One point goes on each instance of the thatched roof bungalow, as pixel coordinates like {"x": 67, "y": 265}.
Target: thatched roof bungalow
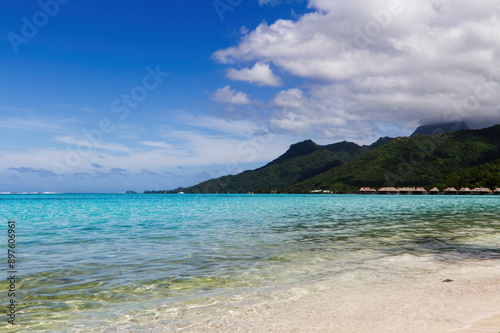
{"x": 465, "y": 190}
{"x": 434, "y": 191}
{"x": 367, "y": 190}
{"x": 406, "y": 190}
{"x": 450, "y": 190}
{"x": 420, "y": 191}
{"x": 388, "y": 190}
{"x": 497, "y": 191}
{"x": 481, "y": 191}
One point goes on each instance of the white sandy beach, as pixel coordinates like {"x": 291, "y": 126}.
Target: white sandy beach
{"x": 419, "y": 302}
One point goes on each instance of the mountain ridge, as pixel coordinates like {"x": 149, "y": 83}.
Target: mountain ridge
{"x": 421, "y": 160}
{"x": 300, "y": 162}
{"x": 343, "y": 167}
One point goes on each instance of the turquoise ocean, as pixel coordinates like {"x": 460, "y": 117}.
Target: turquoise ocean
{"x": 90, "y": 262}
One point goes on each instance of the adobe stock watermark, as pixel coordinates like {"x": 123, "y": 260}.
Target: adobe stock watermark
{"x": 381, "y": 19}
{"x": 223, "y": 6}
{"x": 121, "y": 107}
{"x": 30, "y": 27}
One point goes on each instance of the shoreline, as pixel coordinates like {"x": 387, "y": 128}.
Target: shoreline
{"x": 417, "y": 301}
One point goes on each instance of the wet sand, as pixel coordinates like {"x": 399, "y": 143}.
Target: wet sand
{"x": 470, "y": 303}
{"x": 412, "y": 302}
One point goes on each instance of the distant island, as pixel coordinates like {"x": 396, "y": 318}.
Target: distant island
{"x": 453, "y": 158}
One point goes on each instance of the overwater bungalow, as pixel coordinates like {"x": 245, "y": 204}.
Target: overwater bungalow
{"x": 367, "y": 190}
{"x": 481, "y": 191}
{"x": 497, "y": 191}
{"x": 406, "y": 190}
{"x": 434, "y": 191}
{"x": 388, "y": 190}
{"x": 450, "y": 190}
{"x": 465, "y": 191}
{"x": 420, "y": 191}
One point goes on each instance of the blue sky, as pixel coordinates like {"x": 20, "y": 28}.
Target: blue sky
{"x": 114, "y": 96}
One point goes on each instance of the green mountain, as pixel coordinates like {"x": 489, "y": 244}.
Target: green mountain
{"x": 455, "y": 158}
{"x": 300, "y": 162}
{"x": 422, "y": 160}
{"x": 486, "y": 175}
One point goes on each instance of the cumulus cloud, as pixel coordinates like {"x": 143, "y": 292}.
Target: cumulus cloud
{"x": 227, "y": 95}
{"x": 260, "y": 74}
{"x": 292, "y": 98}
{"x": 365, "y": 66}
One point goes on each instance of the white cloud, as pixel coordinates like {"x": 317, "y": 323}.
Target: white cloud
{"x": 363, "y": 66}
{"x": 32, "y": 124}
{"x": 292, "y": 98}
{"x": 116, "y": 147}
{"x": 229, "y": 96}
{"x": 237, "y": 128}
{"x": 244, "y": 30}
{"x": 156, "y": 144}
{"x": 260, "y": 74}
{"x": 228, "y": 146}
{"x": 228, "y": 152}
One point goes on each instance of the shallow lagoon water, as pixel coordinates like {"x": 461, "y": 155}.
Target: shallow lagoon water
{"x": 87, "y": 261}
